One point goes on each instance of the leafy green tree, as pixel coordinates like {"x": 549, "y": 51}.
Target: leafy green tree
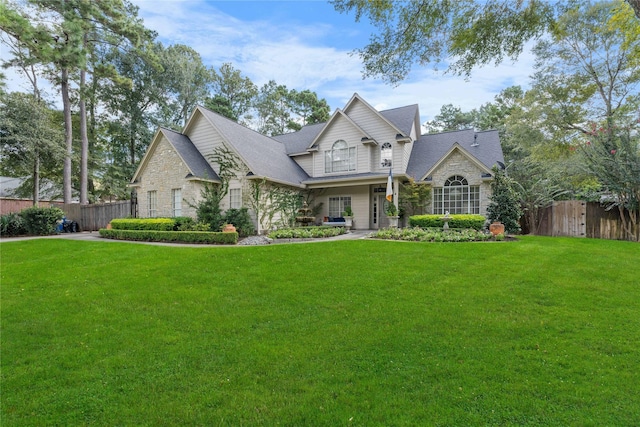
{"x": 238, "y": 91}
{"x": 505, "y": 203}
{"x": 612, "y": 155}
{"x": 414, "y": 197}
{"x": 586, "y": 72}
{"x": 450, "y": 118}
{"x": 222, "y": 106}
{"x": 188, "y": 82}
{"x": 273, "y": 107}
{"x": 308, "y": 108}
{"x": 31, "y": 142}
{"x": 467, "y": 33}
{"x": 62, "y": 35}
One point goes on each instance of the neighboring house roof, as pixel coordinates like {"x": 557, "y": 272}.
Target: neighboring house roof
{"x": 9, "y": 184}
{"x": 264, "y": 156}
{"x": 9, "y": 187}
{"x": 190, "y": 155}
{"x": 429, "y": 149}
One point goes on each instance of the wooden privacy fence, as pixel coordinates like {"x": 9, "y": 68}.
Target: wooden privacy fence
{"x": 575, "y": 218}
{"x": 95, "y": 217}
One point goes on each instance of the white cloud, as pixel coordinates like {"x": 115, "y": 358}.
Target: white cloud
{"x": 314, "y": 53}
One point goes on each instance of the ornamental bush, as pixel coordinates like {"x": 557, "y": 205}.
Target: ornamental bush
{"x": 41, "y": 221}
{"x": 475, "y": 222}
{"x": 12, "y": 224}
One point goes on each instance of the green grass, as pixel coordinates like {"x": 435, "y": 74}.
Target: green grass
{"x": 542, "y": 331}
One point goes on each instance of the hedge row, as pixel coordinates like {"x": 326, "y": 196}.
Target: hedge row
{"x": 157, "y": 224}
{"x": 475, "y": 222}
{"x": 171, "y": 236}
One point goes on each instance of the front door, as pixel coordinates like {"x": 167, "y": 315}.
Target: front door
{"x": 378, "y": 218}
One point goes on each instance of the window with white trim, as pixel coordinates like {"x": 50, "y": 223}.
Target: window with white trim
{"x": 386, "y": 154}
{"x": 337, "y": 205}
{"x": 235, "y": 198}
{"x": 152, "y": 204}
{"x": 341, "y": 158}
{"x": 456, "y": 197}
{"x": 176, "y": 201}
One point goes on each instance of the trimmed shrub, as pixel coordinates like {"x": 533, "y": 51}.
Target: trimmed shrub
{"x": 41, "y": 221}
{"x": 183, "y": 223}
{"x": 12, "y": 224}
{"x": 206, "y": 237}
{"x": 475, "y": 222}
{"x": 306, "y": 232}
{"x": 241, "y": 221}
{"x": 157, "y": 224}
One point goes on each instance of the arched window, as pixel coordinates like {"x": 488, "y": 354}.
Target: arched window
{"x": 341, "y": 157}
{"x": 456, "y": 197}
{"x": 386, "y": 152}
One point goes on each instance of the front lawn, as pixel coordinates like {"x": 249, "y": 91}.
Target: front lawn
{"x": 541, "y": 331}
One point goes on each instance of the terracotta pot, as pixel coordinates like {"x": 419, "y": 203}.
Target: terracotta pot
{"x": 109, "y": 226}
{"x": 496, "y": 228}
{"x": 229, "y": 228}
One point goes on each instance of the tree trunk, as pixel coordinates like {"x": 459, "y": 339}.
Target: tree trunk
{"x": 68, "y": 134}
{"x": 84, "y": 139}
{"x": 36, "y": 178}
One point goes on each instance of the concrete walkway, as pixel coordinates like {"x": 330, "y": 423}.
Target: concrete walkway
{"x": 95, "y": 237}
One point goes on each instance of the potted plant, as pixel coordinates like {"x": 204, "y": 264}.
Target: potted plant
{"x": 348, "y": 217}
{"x": 392, "y": 213}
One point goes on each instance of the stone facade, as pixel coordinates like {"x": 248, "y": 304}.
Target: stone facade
{"x": 459, "y": 164}
{"x": 164, "y": 172}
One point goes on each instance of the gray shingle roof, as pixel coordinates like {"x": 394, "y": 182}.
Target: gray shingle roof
{"x": 402, "y": 118}
{"x": 298, "y": 142}
{"x": 430, "y": 148}
{"x": 263, "y": 156}
{"x": 193, "y": 159}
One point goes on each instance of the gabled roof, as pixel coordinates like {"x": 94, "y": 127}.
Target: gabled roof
{"x": 339, "y": 114}
{"x": 300, "y": 141}
{"x": 264, "y": 156}
{"x": 356, "y": 98}
{"x": 429, "y": 149}
{"x": 402, "y": 118}
{"x": 188, "y": 153}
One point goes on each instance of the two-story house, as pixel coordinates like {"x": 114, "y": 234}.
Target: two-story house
{"x": 343, "y": 162}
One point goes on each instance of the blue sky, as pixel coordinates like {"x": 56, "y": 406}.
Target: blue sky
{"x": 306, "y": 44}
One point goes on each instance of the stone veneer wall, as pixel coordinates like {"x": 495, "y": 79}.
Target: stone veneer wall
{"x": 459, "y": 164}
{"x": 164, "y": 172}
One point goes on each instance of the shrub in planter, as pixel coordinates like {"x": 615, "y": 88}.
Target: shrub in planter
{"x": 12, "y": 224}
{"x": 41, "y": 221}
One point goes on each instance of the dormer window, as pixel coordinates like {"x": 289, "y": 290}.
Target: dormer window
{"x": 341, "y": 158}
{"x": 386, "y": 152}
